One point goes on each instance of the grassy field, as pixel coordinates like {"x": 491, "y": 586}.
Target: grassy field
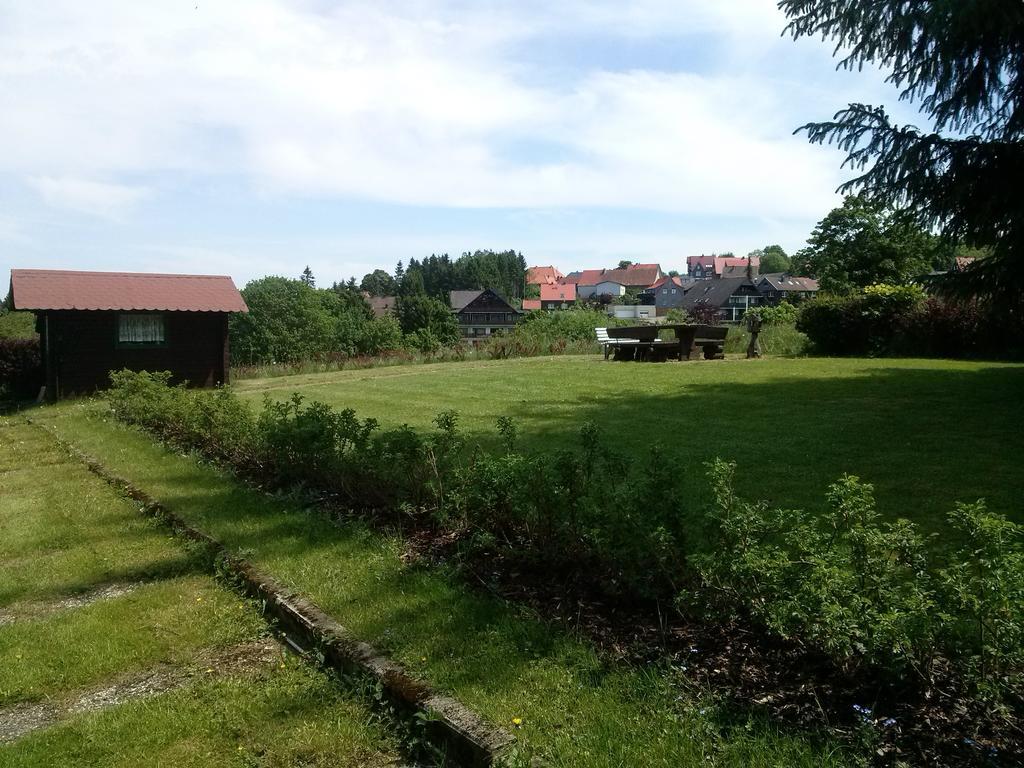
{"x": 925, "y": 432}
{"x": 574, "y": 707}
{"x": 117, "y": 650}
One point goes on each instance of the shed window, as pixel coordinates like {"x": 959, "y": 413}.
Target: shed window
{"x": 140, "y": 329}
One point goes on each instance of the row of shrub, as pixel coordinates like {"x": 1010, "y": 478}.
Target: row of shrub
{"x": 902, "y": 320}
{"x": 21, "y": 368}
{"x": 539, "y": 333}
{"x": 868, "y": 593}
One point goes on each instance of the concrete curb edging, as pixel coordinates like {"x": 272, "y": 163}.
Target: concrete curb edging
{"x": 449, "y": 726}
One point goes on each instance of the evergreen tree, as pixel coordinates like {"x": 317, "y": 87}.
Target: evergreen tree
{"x": 963, "y": 61}
{"x": 307, "y": 277}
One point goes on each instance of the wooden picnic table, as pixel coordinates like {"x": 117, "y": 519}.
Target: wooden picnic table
{"x": 648, "y": 347}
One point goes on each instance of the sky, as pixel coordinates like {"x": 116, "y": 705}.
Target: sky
{"x": 254, "y": 137}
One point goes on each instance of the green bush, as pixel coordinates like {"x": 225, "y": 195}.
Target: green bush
{"x": 21, "y": 368}
{"x": 783, "y": 313}
{"x": 777, "y": 340}
{"x": 427, "y": 319}
{"x": 983, "y": 597}
{"x": 867, "y": 593}
{"x": 17, "y": 325}
{"x": 900, "y": 320}
{"x": 290, "y": 320}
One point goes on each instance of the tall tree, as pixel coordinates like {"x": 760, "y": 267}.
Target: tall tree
{"x": 963, "y": 62}
{"x": 379, "y": 283}
{"x": 307, "y": 277}
{"x": 863, "y": 243}
{"x": 417, "y": 312}
{"x": 773, "y": 259}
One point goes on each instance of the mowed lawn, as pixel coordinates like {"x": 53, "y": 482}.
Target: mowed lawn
{"x": 171, "y": 668}
{"x": 926, "y": 433}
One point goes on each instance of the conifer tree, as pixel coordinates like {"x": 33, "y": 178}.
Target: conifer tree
{"x": 962, "y": 61}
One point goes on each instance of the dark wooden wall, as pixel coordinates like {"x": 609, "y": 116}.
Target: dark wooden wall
{"x": 82, "y": 350}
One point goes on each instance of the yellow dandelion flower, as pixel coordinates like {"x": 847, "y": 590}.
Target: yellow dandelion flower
{"x": 517, "y": 721}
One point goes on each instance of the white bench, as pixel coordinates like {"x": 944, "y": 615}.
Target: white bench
{"x": 607, "y": 342}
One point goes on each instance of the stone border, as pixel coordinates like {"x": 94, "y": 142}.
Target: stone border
{"x": 449, "y": 726}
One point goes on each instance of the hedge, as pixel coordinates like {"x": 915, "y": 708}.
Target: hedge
{"x": 21, "y": 368}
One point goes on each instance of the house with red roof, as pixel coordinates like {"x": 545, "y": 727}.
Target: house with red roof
{"x": 557, "y": 296}
{"x": 614, "y": 282}
{"x": 92, "y": 323}
{"x": 716, "y": 267}
{"x": 543, "y": 276}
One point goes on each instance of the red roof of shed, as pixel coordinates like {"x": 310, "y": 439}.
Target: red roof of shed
{"x": 53, "y": 289}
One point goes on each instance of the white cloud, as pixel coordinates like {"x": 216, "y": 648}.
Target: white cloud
{"x": 93, "y": 197}
{"x": 426, "y": 104}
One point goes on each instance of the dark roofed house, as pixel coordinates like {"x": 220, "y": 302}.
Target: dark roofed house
{"x": 92, "y": 323}
{"x": 727, "y": 298}
{"x": 777, "y": 286}
{"x": 482, "y": 313}
{"x": 667, "y": 293}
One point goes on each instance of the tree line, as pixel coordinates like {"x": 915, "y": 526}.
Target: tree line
{"x": 292, "y": 319}
{"x": 436, "y": 276}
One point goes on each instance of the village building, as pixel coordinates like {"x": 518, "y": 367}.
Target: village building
{"x": 557, "y": 296}
{"x": 613, "y": 282}
{"x": 726, "y": 299}
{"x": 718, "y": 267}
{"x": 667, "y": 293}
{"x": 777, "y": 286}
{"x": 607, "y": 288}
{"x": 92, "y": 323}
{"x": 482, "y": 313}
{"x": 538, "y": 276}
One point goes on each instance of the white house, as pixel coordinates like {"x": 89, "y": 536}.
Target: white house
{"x": 604, "y": 288}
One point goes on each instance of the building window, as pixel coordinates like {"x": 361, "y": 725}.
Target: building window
{"x": 141, "y": 330}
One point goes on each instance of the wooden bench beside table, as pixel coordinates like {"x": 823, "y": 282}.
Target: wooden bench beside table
{"x": 641, "y": 342}
{"x": 711, "y": 338}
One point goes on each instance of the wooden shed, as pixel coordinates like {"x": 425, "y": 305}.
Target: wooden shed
{"x": 92, "y": 323}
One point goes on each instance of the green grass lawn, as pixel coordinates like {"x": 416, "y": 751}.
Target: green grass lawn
{"x": 66, "y": 532}
{"x": 576, "y": 708}
{"x": 925, "y": 432}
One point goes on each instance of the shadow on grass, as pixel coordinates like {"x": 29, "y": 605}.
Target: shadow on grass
{"x": 925, "y": 437}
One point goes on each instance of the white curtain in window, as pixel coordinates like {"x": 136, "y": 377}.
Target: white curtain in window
{"x": 141, "y": 329}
